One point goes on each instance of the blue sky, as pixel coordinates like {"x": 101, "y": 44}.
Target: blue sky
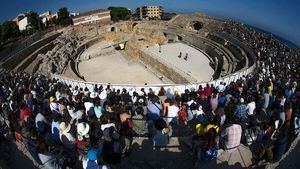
{"x": 281, "y": 17}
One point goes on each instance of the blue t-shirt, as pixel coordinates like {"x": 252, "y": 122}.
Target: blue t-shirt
{"x": 98, "y": 111}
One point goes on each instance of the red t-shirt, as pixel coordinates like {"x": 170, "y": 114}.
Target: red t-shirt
{"x": 25, "y": 112}
{"x": 207, "y": 91}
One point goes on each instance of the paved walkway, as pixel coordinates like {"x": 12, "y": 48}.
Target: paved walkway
{"x": 116, "y": 69}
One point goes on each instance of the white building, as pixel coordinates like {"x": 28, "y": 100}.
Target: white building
{"x": 149, "y": 12}
{"x": 18, "y": 18}
{"x": 23, "y": 23}
{"x": 98, "y": 16}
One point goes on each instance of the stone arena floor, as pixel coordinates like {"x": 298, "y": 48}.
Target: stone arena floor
{"x": 197, "y": 64}
{"x": 116, "y": 69}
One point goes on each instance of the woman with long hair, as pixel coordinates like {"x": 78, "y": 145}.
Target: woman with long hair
{"x": 210, "y": 148}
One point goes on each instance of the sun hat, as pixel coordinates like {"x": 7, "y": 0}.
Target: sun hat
{"x": 103, "y": 95}
{"x": 93, "y": 154}
{"x": 54, "y": 106}
{"x": 75, "y": 92}
{"x": 141, "y": 100}
{"x": 52, "y": 99}
{"x": 32, "y": 92}
{"x": 64, "y": 128}
{"x": 93, "y": 95}
{"x": 83, "y": 128}
{"x": 140, "y": 93}
{"x": 60, "y": 96}
{"x": 131, "y": 92}
{"x": 242, "y": 100}
{"x": 86, "y": 93}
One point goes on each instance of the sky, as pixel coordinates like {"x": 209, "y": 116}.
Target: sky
{"x": 281, "y": 17}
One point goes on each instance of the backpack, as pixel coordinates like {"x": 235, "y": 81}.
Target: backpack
{"x": 130, "y": 123}
{"x": 25, "y": 132}
{"x": 92, "y": 165}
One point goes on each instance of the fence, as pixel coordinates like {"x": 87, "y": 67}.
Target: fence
{"x": 155, "y": 87}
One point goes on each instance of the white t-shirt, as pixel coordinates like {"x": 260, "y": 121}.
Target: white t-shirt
{"x": 54, "y": 107}
{"x": 75, "y": 115}
{"x": 39, "y": 117}
{"x": 57, "y": 94}
{"x": 267, "y": 99}
{"x": 221, "y": 88}
{"x": 87, "y": 106}
{"x": 251, "y": 107}
{"x": 85, "y": 163}
{"x": 69, "y": 136}
{"x": 54, "y": 125}
{"x": 172, "y": 112}
{"x": 47, "y": 160}
{"x": 104, "y": 126}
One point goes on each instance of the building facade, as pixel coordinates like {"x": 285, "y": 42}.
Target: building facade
{"x": 18, "y": 18}
{"x": 149, "y": 12}
{"x": 98, "y": 16}
{"x": 23, "y": 24}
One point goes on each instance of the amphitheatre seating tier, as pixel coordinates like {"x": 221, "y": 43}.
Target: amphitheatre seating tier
{"x": 28, "y": 60}
{"x": 245, "y": 47}
{"x": 227, "y": 56}
{"x": 242, "y": 60}
{"x": 71, "y": 70}
{"x": 219, "y": 63}
{"x": 17, "y": 58}
{"x": 216, "y": 59}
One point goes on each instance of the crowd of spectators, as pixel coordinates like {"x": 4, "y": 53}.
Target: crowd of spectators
{"x": 64, "y": 125}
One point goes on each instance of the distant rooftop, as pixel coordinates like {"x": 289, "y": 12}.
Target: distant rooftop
{"x": 91, "y": 13}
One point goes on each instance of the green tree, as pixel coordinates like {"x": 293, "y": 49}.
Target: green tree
{"x": 64, "y": 17}
{"x": 9, "y": 29}
{"x": 119, "y": 13}
{"x": 34, "y": 21}
{"x": 1, "y": 37}
{"x": 53, "y": 21}
{"x": 47, "y": 24}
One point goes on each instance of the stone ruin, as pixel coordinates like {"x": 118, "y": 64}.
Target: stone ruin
{"x": 56, "y": 60}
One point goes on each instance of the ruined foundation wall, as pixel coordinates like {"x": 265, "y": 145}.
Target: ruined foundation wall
{"x": 156, "y": 65}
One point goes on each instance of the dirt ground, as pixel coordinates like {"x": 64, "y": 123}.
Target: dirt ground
{"x": 116, "y": 69}
{"x": 196, "y": 65}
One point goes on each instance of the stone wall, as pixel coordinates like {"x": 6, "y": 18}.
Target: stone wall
{"x": 14, "y": 60}
{"x": 156, "y": 65}
{"x": 20, "y": 45}
{"x": 27, "y": 61}
{"x": 74, "y": 73}
{"x": 73, "y": 64}
{"x": 84, "y": 46}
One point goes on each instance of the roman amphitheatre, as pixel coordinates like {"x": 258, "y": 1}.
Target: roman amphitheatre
{"x": 179, "y": 54}
{"x": 188, "y": 49}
